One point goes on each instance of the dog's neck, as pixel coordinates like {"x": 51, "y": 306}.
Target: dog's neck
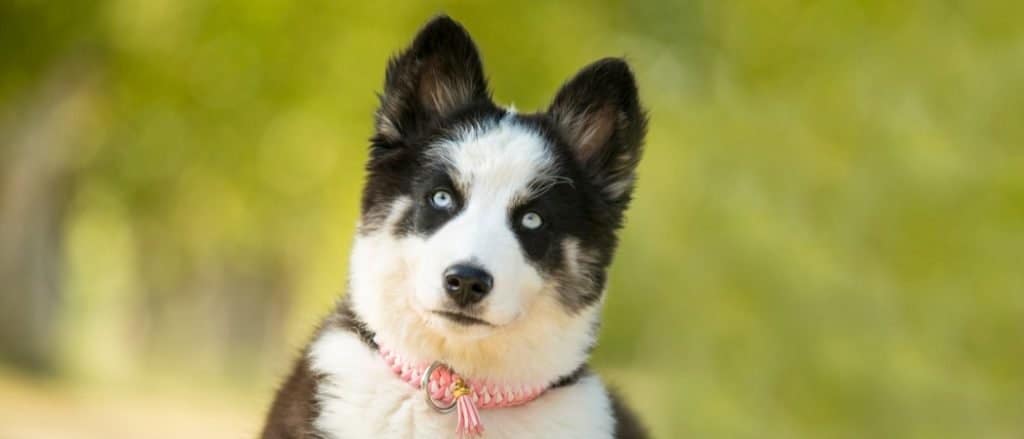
{"x": 346, "y": 318}
{"x": 544, "y": 351}
{"x": 442, "y": 385}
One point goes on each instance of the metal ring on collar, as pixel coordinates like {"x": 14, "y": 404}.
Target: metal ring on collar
{"x": 425, "y": 384}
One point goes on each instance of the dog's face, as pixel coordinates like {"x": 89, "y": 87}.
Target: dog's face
{"x": 485, "y": 234}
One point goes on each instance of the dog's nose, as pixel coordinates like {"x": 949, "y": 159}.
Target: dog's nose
{"x": 467, "y": 284}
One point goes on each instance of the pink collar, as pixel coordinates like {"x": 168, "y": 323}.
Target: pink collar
{"x": 447, "y": 391}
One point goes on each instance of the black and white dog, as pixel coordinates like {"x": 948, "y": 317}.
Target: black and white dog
{"x": 480, "y": 261}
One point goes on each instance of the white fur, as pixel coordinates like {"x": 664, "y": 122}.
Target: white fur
{"x": 494, "y": 170}
{"x": 361, "y": 398}
{"x": 397, "y": 281}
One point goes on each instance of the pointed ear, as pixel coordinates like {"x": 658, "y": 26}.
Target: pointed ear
{"x": 438, "y": 74}
{"x": 598, "y": 113}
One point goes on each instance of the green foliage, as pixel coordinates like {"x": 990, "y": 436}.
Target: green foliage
{"x": 826, "y": 238}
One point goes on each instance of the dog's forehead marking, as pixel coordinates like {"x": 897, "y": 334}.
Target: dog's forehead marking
{"x": 498, "y": 161}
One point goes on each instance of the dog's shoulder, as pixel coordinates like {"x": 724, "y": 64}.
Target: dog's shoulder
{"x": 294, "y": 407}
{"x": 627, "y": 424}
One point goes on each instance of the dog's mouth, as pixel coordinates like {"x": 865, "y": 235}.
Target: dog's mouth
{"x": 462, "y": 319}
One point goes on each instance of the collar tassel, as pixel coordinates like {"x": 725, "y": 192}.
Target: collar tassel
{"x": 469, "y": 424}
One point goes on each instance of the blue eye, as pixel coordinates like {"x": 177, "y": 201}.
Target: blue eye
{"x": 442, "y": 200}
{"x": 531, "y": 221}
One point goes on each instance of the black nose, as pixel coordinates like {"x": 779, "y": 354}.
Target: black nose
{"x": 467, "y": 284}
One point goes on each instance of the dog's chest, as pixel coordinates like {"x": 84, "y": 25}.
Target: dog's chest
{"x": 360, "y": 397}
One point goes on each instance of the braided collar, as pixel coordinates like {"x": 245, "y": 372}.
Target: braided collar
{"x": 444, "y": 389}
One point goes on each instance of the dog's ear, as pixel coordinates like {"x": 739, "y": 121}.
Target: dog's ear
{"x": 435, "y": 76}
{"x": 598, "y": 113}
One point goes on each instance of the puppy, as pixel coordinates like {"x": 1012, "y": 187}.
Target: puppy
{"x": 480, "y": 262}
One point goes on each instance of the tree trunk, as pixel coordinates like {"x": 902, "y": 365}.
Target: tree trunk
{"x": 37, "y": 146}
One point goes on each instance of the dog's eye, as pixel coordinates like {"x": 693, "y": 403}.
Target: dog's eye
{"x": 442, "y": 199}
{"x": 531, "y": 221}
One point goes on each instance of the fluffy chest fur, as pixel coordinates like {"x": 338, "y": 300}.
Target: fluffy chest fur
{"x": 359, "y": 397}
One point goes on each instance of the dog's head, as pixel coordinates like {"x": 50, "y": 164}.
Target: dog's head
{"x": 485, "y": 234}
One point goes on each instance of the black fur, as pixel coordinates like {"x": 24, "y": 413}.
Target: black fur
{"x": 295, "y": 407}
{"x": 598, "y": 113}
{"x": 440, "y": 73}
{"x": 627, "y": 425}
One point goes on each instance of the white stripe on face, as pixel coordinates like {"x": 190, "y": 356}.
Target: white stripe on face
{"x": 396, "y": 273}
{"x": 495, "y": 168}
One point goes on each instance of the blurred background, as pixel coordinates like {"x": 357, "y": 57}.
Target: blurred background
{"x": 827, "y": 239}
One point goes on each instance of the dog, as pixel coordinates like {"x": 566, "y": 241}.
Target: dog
{"x": 479, "y": 266}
